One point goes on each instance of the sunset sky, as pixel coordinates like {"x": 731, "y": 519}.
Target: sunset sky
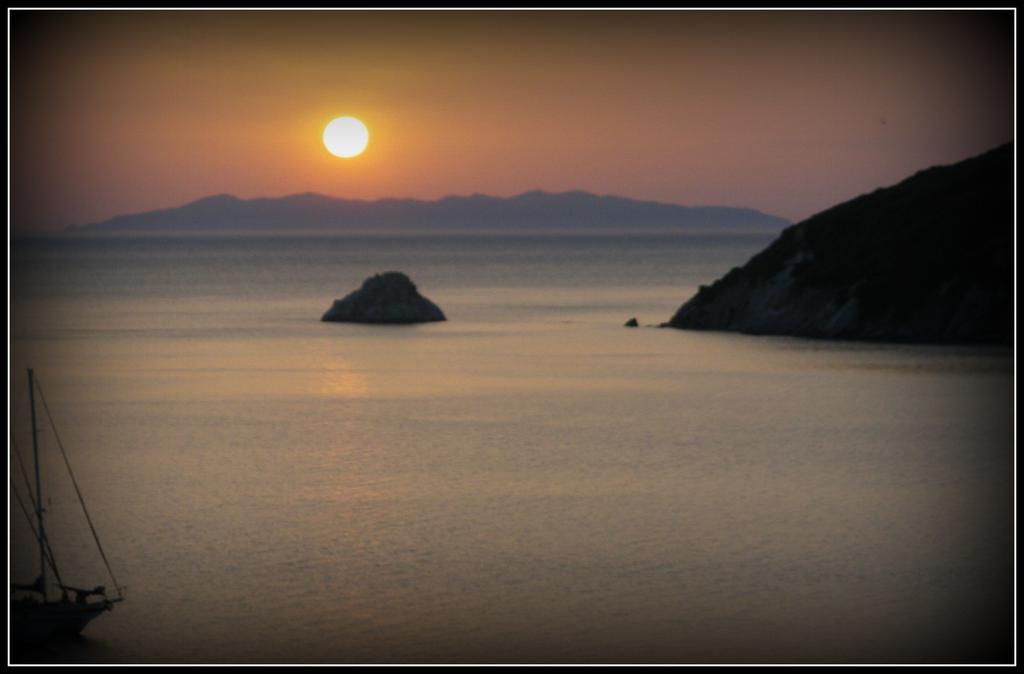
{"x": 789, "y": 113}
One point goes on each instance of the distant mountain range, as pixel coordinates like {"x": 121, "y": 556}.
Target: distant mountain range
{"x": 531, "y": 210}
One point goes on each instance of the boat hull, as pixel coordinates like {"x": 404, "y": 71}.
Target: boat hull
{"x": 35, "y": 622}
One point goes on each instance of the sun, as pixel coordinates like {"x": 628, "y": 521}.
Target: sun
{"x": 346, "y": 137}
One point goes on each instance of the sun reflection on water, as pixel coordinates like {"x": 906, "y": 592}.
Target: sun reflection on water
{"x": 340, "y": 380}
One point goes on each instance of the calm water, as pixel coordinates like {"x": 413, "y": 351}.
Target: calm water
{"x": 529, "y": 481}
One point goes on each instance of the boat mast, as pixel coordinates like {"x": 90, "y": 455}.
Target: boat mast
{"x": 39, "y": 493}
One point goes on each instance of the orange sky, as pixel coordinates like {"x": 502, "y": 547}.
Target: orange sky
{"x": 115, "y": 112}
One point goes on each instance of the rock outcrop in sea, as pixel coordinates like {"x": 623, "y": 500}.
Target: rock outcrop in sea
{"x": 390, "y": 297}
{"x": 927, "y": 260}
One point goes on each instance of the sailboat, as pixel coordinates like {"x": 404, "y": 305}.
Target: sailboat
{"x": 37, "y": 611}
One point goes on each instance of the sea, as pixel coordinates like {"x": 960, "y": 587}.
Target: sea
{"x": 527, "y": 482}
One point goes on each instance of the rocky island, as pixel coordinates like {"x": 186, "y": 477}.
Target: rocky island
{"x": 390, "y": 297}
{"x": 927, "y": 260}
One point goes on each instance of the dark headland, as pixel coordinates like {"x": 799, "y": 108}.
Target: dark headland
{"x": 927, "y": 260}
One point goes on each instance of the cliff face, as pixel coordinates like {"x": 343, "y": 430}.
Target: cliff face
{"x": 927, "y": 260}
